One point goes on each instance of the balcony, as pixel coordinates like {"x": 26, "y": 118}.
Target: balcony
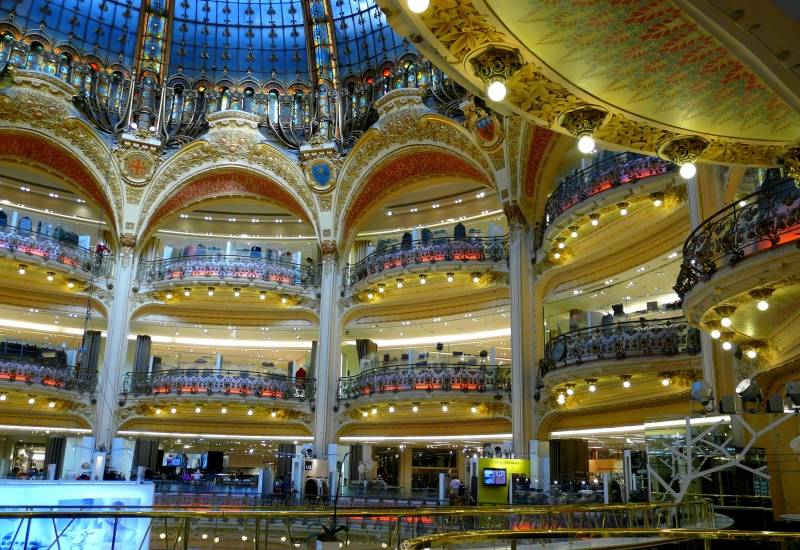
{"x": 48, "y": 251}
{"x": 211, "y": 382}
{"x": 437, "y": 377}
{"x": 612, "y": 342}
{"x": 266, "y": 272}
{"x": 440, "y": 252}
{"x": 762, "y": 221}
{"x": 30, "y": 364}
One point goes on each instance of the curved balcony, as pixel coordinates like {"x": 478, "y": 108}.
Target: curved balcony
{"x": 643, "y": 338}
{"x": 622, "y": 169}
{"x": 29, "y": 364}
{"x": 761, "y": 221}
{"x": 239, "y": 383}
{"x": 438, "y": 377}
{"x": 30, "y": 246}
{"x": 429, "y": 251}
{"x": 232, "y": 268}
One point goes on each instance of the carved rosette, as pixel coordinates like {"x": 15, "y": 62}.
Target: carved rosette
{"x": 791, "y": 163}
{"x": 584, "y": 120}
{"x": 683, "y": 149}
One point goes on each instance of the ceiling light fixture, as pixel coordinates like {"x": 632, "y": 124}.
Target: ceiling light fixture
{"x": 623, "y": 208}
{"x": 414, "y": 408}
{"x": 262, "y": 295}
{"x": 237, "y": 292}
{"x": 399, "y": 283}
{"x": 284, "y": 299}
{"x": 418, "y": 6}
{"x": 570, "y": 389}
{"x": 211, "y": 291}
{"x": 168, "y": 295}
{"x": 50, "y": 276}
{"x": 381, "y": 288}
{"x": 187, "y": 292}
{"x": 666, "y": 380}
{"x": 626, "y": 381}
{"x": 573, "y": 231}
{"x": 494, "y": 66}
{"x": 658, "y": 198}
{"x": 476, "y": 277}
{"x": 592, "y": 384}
{"x": 583, "y": 122}
{"x": 423, "y": 279}
{"x": 22, "y": 269}
{"x": 561, "y": 399}
{"x": 71, "y": 283}
{"x": 594, "y": 219}
{"x": 449, "y": 277}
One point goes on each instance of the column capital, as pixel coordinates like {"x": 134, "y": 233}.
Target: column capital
{"x": 329, "y": 251}
{"x": 514, "y": 215}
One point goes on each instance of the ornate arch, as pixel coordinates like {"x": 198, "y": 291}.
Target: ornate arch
{"x": 221, "y": 182}
{"x": 403, "y": 168}
{"x": 49, "y": 154}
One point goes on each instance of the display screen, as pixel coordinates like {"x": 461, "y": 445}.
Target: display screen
{"x": 494, "y": 476}
{"x": 74, "y": 533}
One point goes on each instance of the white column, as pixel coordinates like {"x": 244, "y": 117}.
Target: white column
{"x": 329, "y": 351}
{"x": 115, "y": 353}
{"x": 523, "y": 369}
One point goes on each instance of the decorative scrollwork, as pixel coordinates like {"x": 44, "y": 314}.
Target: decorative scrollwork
{"x": 770, "y": 217}
{"x": 683, "y": 149}
{"x": 584, "y": 120}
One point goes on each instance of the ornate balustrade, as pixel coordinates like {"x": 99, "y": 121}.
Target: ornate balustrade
{"x": 455, "y": 377}
{"x": 761, "y": 221}
{"x": 218, "y": 266}
{"x": 48, "y": 248}
{"x": 223, "y": 382}
{"x": 430, "y": 252}
{"x": 647, "y": 337}
{"x": 622, "y": 169}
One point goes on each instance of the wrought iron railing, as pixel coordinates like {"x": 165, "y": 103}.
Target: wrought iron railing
{"x": 454, "y": 377}
{"x": 50, "y": 248}
{"x": 646, "y": 337}
{"x": 219, "y": 266}
{"x": 219, "y": 382}
{"x": 622, "y": 169}
{"x": 22, "y": 362}
{"x": 761, "y": 221}
{"x": 428, "y": 251}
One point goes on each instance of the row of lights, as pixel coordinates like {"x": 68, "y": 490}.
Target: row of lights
{"x": 27, "y": 189}
{"x": 726, "y": 313}
{"x": 423, "y": 279}
{"x": 51, "y": 404}
{"x": 223, "y": 410}
{"x": 237, "y": 292}
{"x": 22, "y": 269}
{"x": 435, "y": 205}
{"x": 252, "y": 220}
{"x": 414, "y": 409}
{"x": 594, "y": 219}
{"x": 591, "y": 385}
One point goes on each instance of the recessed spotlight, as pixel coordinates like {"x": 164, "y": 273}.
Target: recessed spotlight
{"x": 762, "y": 305}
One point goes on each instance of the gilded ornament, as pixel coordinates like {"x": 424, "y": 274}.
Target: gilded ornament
{"x": 683, "y": 149}
{"x": 791, "y": 163}
{"x": 496, "y": 63}
{"x": 584, "y": 120}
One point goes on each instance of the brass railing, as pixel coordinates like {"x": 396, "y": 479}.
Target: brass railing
{"x": 358, "y": 528}
{"x": 647, "y": 337}
{"x": 644, "y": 538}
{"x": 223, "y": 382}
{"x": 446, "y": 377}
{"x": 761, "y": 221}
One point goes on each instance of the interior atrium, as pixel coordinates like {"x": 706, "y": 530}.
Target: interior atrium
{"x": 447, "y": 273}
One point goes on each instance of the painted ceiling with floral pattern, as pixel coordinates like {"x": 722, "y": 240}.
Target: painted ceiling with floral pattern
{"x": 648, "y": 58}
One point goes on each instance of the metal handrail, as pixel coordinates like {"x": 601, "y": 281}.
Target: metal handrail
{"x": 623, "y": 168}
{"x": 619, "y": 340}
{"x": 50, "y": 248}
{"x": 455, "y": 377}
{"x": 427, "y": 251}
{"x": 659, "y": 536}
{"x": 208, "y": 381}
{"x": 227, "y": 266}
{"x": 761, "y": 221}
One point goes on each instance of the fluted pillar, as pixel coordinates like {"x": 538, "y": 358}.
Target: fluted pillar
{"x": 523, "y": 371}
{"x": 328, "y": 357}
{"x": 116, "y": 348}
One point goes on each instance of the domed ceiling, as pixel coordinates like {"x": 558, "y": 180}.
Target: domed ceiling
{"x": 214, "y": 40}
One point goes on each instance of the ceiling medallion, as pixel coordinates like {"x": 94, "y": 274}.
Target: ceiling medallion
{"x": 584, "y": 120}
{"x": 683, "y": 149}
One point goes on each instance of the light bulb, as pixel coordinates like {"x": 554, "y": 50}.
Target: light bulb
{"x": 762, "y": 305}
{"x": 262, "y": 295}
{"x": 173, "y": 410}
{"x": 445, "y": 408}
{"x": 3, "y": 397}
{"x": 586, "y": 145}
{"x": 370, "y": 295}
{"x": 204, "y": 536}
{"x": 561, "y": 399}
{"x": 623, "y": 211}
{"x": 391, "y": 408}
{"x": 561, "y": 246}
{"x": 249, "y": 412}
{"x": 70, "y": 284}
{"x": 626, "y": 383}
{"x": 473, "y": 409}
{"x": 725, "y": 322}
{"x": 570, "y": 391}
{"x": 273, "y": 414}
{"x": 52, "y": 404}
{"x": 31, "y": 401}
{"x": 158, "y": 411}
{"x": 751, "y": 353}
{"x": 592, "y": 388}
{"x": 381, "y": 288}
{"x": 422, "y": 279}
{"x": 244, "y": 537}
{"x": 22, "y": 269}
{"x": 198, "y": 410}
{"x": 374, "y": 411}
{"x": 657, "y": 202}
{"x": 414, "y": 409}
{"x": 688, "y": 171}
{"x": 595, "y": 221}
{"x": 187, "y": 292}
{"x": 284, "y": 299}
{"x": 497, "y": 90}
{"x": 449, "y": 277}
{"x": 134, "y": 126}
{"x": 237, "y": 292}
{"x": 224, "y": 410}
{"x": 364, "y": 414}
{"x": 715, "y": 334}
{"x": 50, "y": 276}
{"x": 727, "y": 346}
{"x": 557, "y": 255}
{"x": 665, "y": 381}
{"x": 210, "y": 291}
{"x": 742, "y": 203}
{"x": 216, "y": 540}
{"x": 476, "y": 278}
{"x": 399, "y": 283}
{"x": 574, "y": 234}
{"x": 418, "y": 6}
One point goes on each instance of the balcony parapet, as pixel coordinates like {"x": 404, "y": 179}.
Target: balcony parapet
{"x": 434, "y": 377}
{"x": 439, "y": 252}
{"x": 30, "y": 364}
{"x": 236, "y": 269}
{"x": 643, "y": 338}
{"x": 762, "y": 221}
{"x": 210, "y": 382}
{"x": 30, "y": 246}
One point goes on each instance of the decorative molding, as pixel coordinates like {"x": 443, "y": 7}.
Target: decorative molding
{"x": 683, "y": 149}
{"x": 584, "y": 120}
